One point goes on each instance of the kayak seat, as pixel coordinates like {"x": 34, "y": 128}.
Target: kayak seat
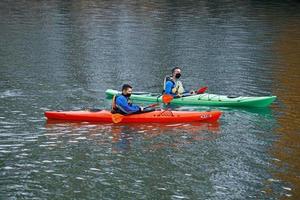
{"x": 140, "y": 93}
{"x": 94, "y": 110}
{"x": 232, "y": 96}
{"x": 154, "y": 94}
{"x": 148, "y": 110}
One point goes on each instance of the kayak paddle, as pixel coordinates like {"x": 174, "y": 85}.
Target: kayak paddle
{"x": 201, "y": 90}
{"x": 167, "y": 98}
{"x": 117, "y": 117}
{"x": 152, "y": 105}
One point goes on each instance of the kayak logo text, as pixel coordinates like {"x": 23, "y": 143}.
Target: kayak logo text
{"x": 205, "y": 116}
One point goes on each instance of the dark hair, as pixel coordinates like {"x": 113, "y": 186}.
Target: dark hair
{"x": 173, "y": 70}
{"x": 126, "y": 86}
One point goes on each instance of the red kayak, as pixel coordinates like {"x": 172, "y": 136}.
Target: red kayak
{"x": 158, "y": 116}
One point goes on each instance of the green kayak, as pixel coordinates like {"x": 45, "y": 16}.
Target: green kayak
{"x": 205, "y": 99}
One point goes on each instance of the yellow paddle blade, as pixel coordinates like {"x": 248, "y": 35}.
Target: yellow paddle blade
{"x": 116, "y": 118}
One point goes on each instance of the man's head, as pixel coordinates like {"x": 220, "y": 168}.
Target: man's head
{"x": 127, "y": 90}
{"x": 176, "y": 72}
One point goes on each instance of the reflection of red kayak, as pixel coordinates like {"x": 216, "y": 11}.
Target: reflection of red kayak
{"x": 154, "y": 116}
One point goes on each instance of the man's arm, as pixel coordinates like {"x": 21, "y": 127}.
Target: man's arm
{"x": 125, "y": 107}
{"x": 169, "y": 86}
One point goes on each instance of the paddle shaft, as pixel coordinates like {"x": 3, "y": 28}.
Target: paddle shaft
{"x": 116, "y": 118}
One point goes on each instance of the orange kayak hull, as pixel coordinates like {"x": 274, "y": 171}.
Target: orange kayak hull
{"x": 149, "y": 117}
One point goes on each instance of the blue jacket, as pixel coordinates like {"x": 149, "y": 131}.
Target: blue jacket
{"x": 125, "y": 107}
{"x": 169, "y": 86}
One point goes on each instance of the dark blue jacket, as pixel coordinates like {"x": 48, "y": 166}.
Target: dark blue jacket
{"x": 124, "y": 106}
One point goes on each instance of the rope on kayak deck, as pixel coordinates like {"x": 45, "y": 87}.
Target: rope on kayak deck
{"x": 166, "y": 113}
{"x": 203, "y": 95}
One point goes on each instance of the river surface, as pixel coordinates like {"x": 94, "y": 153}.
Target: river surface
{"x": 63, "y": 55}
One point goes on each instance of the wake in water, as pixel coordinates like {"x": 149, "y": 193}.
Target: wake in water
{"x": 10, "y": 93}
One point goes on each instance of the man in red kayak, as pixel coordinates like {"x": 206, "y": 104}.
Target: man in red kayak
{"x": 122, "y": 104}
{"x": 173, "y": 86}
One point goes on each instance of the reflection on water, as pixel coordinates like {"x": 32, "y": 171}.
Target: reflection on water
{"x": 122, "y": 135}
{"x": 287, "y": 149}
{"x": 137, "y": 160}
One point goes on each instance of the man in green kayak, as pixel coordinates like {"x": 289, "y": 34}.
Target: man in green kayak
{"x": 173, "y": 86}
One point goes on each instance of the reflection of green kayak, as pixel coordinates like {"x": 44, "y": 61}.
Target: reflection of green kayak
{"x": 202, "y": 99}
